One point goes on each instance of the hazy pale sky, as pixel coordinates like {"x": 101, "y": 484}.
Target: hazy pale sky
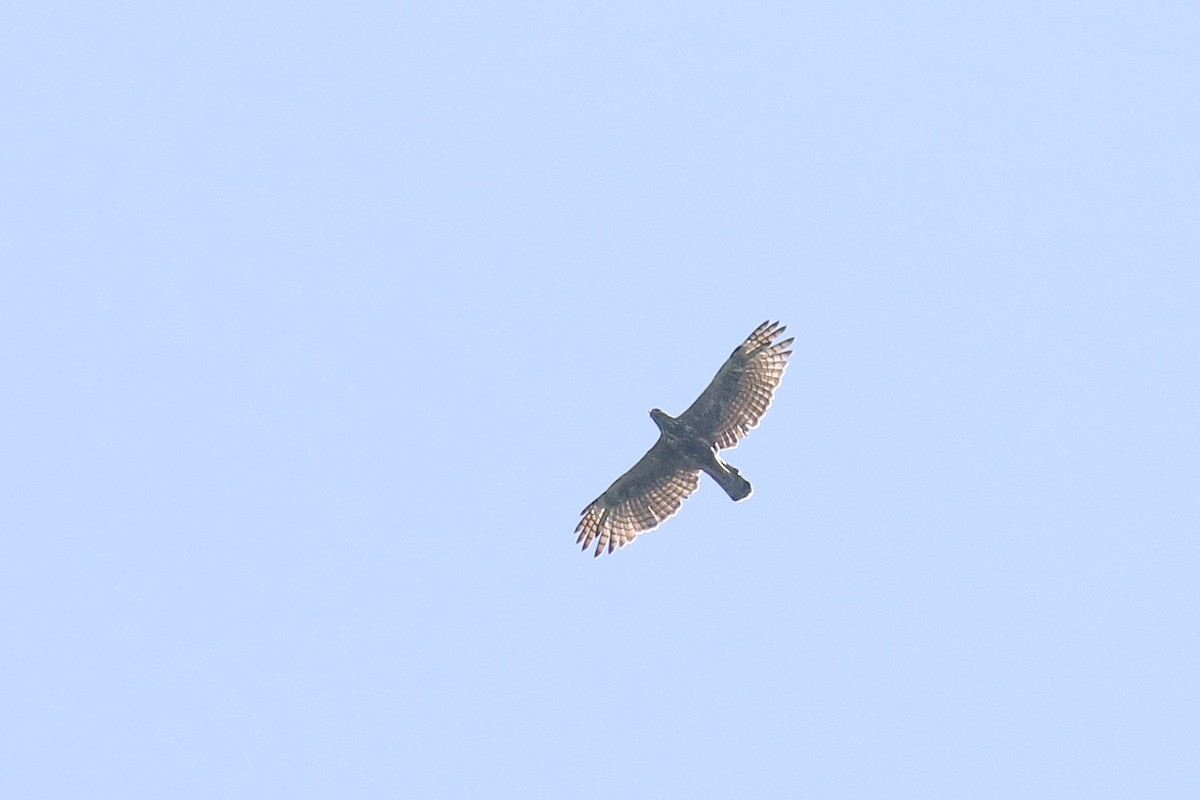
{"x": 320, "y": 324}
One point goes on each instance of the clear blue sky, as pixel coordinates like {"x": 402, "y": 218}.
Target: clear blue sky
{"x": 320, "y": 325}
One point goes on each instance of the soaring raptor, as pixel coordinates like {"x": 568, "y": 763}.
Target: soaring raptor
{"x": 657, "y": 485}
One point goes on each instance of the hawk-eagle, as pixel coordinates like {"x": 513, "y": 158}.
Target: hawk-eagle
{"x": 656, "y": 486}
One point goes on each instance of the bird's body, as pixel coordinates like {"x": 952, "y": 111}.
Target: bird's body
{"x": 687, "y": 445}
{"x": 693, "y": 450}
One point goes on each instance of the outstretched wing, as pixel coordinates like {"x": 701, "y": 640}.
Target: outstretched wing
{"x": 638, "y": 501}
{"x": 742, "y": 390}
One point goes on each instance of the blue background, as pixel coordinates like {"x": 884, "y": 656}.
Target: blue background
{"x": 319, "y": 325}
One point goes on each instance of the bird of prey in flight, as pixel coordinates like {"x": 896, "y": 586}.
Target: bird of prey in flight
{"x": 656, "y": 486}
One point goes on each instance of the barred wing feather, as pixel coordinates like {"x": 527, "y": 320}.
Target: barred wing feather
{"x": 638, "y": 501}
{"x": 740, "y": 394}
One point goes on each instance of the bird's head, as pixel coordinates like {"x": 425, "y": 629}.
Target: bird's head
{"x": 658, "y": 415}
